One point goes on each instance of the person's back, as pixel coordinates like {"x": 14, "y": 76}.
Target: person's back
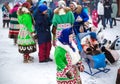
{"x": 63, "y": 18}
{"x": 107, "y": 10}
{"x": 100, "y": 8}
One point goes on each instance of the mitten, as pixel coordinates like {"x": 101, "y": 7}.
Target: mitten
{"x": 34, "y": 35}
{"x": 81, "y": 68}
{"x": 69, "y": 75}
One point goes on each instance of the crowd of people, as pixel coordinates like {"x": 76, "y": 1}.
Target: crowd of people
{"x": 35, "y": 24}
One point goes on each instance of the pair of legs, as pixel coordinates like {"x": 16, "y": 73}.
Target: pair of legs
{"x": 113, "y": 19}
{"x": 6, "y": 22}
{"x": 101, "y": 17}
{"x": 15, "y": 40}
{"x": 110, "y": 21}
{"x": 44, "y": 52}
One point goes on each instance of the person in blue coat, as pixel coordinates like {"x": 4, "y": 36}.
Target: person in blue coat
{"x": 80, "y": 16}
{"x": 42, "y": 26}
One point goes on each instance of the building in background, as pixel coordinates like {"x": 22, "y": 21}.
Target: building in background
{"x": 118, "y": 2}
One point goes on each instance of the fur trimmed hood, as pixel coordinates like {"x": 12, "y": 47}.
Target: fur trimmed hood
{"x": 66, "y": 9}
{"x": 23, "y": 10}
{"x": 74, "y": 55}
{"x": 78, "y": 9}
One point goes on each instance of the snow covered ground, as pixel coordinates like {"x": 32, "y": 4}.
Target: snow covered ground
{"x": 14, "y": 71}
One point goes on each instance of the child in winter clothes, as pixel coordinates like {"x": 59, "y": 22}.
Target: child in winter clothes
{"x": 67, "y": 59}
{"x": 42, "y": 26}
{"x": 26, "y": 42}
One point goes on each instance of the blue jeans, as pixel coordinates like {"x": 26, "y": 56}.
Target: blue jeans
{"x": 110, "y": 21}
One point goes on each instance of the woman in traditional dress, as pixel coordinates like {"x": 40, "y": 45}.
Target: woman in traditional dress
{"x": 67, "y": 59}
{"x": 14, "y": 25}
{"x": 26, "y": 40}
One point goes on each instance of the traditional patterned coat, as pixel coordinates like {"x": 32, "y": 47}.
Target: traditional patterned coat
{"x": 66, "y": 60}
{"x": 26, "y": 42}
{"x": 14, "y": 25}
{"x": 63, "y": 18}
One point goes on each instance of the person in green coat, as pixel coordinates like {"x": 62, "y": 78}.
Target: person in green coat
{"x": 67, "y": 59}
{"x": 62, "y": 18}
{"x": 26, "y": 40}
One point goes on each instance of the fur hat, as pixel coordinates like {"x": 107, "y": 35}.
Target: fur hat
{"x": 42, "y": 8}
{"x": 17, "y": 5}
{"x": 64, "y": 37}
{"x": 26, "y": 4}
{"x": 61, "y": 4}
{"x": 74, "y": 3}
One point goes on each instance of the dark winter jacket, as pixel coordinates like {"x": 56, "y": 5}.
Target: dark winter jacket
{"x": 42, "y": 26}
{"x": 107, "y": 10}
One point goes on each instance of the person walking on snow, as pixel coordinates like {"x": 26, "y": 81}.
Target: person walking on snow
{"x": 14, "y": 25}
{"x": 100, "y": 11}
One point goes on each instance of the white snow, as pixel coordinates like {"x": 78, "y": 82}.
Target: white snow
{"x": 14, "y": 71}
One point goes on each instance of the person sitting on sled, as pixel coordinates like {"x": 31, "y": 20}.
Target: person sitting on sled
{"x": 90, "y": 45}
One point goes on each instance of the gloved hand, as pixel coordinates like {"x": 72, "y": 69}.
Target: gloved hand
{"x": 34, "y": 35}
{"x": 54, "y": 43}
{"x": 69, "y": 75}
{"x": 81, "y": 68}
{"x": 79, "y": 19}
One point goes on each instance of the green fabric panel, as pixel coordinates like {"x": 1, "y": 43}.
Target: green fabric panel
{"x": 27, "y": 21}
{"x": 60, "y": 58}
{"x": 66, "y": 18}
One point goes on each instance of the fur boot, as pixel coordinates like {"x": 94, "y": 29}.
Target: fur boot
{"x": 27, "y": 58}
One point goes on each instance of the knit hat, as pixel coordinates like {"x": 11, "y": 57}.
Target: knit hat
{"x": 64, "y": 36}
{"x": 61, "y": 4}
{"x": 42, "y": 8}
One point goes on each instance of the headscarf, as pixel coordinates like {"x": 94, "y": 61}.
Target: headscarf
{"x": 42, "y": 8}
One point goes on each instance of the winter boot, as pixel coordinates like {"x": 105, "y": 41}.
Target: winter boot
{"x": 31, "y": 59}
{"x": 25, "y": 59}
{"x": 15, "y": 40}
